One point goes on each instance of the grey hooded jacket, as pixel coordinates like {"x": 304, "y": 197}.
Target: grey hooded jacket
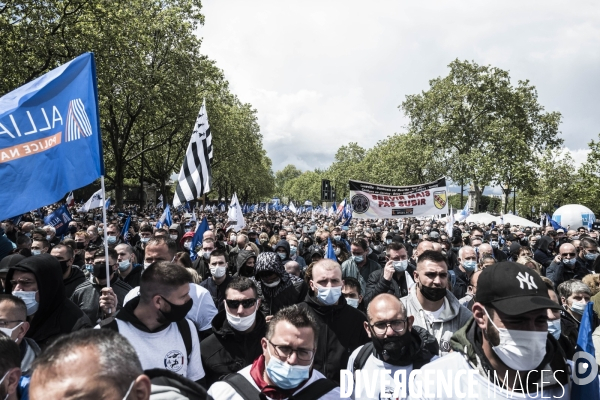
{"x": 453, "y": 317}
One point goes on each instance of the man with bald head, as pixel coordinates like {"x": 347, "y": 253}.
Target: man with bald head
{"x": 566, "y": 266}
{"x": 433, "y": 306}
{"x": 341, "y": 324}
{"x": 396, "y": 344}
{"x": 293, "y": 268}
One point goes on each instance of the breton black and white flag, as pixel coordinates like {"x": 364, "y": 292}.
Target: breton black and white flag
{"x": 195, "y": 177}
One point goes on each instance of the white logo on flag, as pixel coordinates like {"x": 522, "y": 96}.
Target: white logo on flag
{"x": 527, "y": 280}
{"x": 78, "y": 123}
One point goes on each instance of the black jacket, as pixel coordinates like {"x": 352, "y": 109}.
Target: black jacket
{"x": 56, "y": 314}
{"x": 558, "y": 272}
{"x": 243, "y": 257}
{"x": 377, "y": 284}
{"x": 134, "y": 277}
{"x": 341, "y": 332}
{"x": 227, "y": 351}
{"x": 87, "y": 297}
{"x": 217, "y": 292}
{"x": 542, "y": 254}
{"x": 75, "y": 278}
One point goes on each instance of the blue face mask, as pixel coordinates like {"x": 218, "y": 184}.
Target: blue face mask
{"x": 293, "y": 250}
{"x": 470, "y": 266}
{"x": 591, "y": 256}
{"x": 111, "y": 239}
{"x": 284, "y": 375}
{"x": 358, "y": 259}
{"x": 569, "y": 262}
{"x": 329, "y": 295}
{"x": 554, "y": 328}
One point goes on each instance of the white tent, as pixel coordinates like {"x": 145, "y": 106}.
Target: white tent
{"x": 516, "y": 220}
{"x": 482, "y": 218}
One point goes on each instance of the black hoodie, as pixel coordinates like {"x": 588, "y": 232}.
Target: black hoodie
{"x": 542, "y": 254}
{"x": 341, "y": 332}
{"x": 56, "y": 314}
{"x": 242, "y": 258}
{"x": 227, "y": 351}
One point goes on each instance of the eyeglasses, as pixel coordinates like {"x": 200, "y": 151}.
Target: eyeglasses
{"x": 568, "y": 254}
{"x": 286, "y": 351}
{"x": 398, "y": 326}
{"x": 4, "y": 324}
{"x": 246, "y": 303}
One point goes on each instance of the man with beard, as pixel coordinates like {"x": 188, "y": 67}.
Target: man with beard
{"x": 396, "y": 345}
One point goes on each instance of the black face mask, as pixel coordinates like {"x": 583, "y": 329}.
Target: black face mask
{"x": 100, "y": 271}
{"x": 64, "y": 266}
{"x": 72, "y": 229}
{"x": 246, "y": 271}
{"x": 432, "y": 293}
{"x": 319, "y": 240}
{"x": 80, "y": 245}
{"x": 396, "y": 350}
{"x": 178, "y": 311}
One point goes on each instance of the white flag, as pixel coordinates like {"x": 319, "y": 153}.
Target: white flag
{"x": 94, "y": 202}
{"x": 234, "y": 215}
{"x": 292, "y": 208}
{"x": 450, "y": 223}
{"x": 267, "y": 208}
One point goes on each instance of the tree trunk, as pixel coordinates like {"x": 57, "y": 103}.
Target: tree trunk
{"x": 119, "y": 185}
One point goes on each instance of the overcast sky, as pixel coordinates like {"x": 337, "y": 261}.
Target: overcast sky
{"x": 325, "y": 73}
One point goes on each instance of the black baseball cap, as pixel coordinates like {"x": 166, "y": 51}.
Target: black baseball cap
{"x": 514, "y": 289}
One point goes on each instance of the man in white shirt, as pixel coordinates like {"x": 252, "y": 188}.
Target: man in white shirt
{"x": 155, "y": 323}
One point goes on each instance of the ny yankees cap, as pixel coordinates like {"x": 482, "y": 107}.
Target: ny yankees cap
{"x": 514, "y": 289}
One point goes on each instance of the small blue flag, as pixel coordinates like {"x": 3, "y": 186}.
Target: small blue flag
{"x": 107, "y": 203}
{"x": 50, "y": 141}
{"x": 59, "y": 220}
{"x": 124, "y": 232}
{"x": 165, "y": 218}
{"x": 330, "y": 251}
{"x": 203, "y": 227}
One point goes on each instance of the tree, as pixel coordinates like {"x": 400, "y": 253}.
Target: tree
{"x": 478, "y": 123}
{"x": 288, "y": 173}
{"x": 346, "y": 165}
{"x": 307, "y": 186}
{"x": 586, "y": 186}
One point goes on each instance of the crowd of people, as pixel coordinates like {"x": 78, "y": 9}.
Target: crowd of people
{"x": 267, "y": 312}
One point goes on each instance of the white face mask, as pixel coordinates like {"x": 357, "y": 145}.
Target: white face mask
{"x": 48, "y": 237}
{"x": 187, "y": 245}
{"x": 578, "y": 307}
{"x": 144, "y": 240}
{"x": 554, "y": 328}
{"x": 400, "y": 266}
{"x": 29, "y": 299}
{"x": 520, "y": 350}
{"x": 174, "y": 237}
{"x": 241, "y": 324}
{"x": 218, "y": 272}
{"x": 272, "y": 284}
{"x": 36, "y": 252}
{"x": 328, "y": 295}
{"x": 206, "y": 254}
{"x": 146, "y": 264}
{"x": 8, "y": 331}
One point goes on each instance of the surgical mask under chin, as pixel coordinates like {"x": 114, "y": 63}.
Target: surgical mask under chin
{"x": 241, "y": 324}
{"x": 469, "y": 265}
{"x": 272, "y": 284}
{"x": 352, "y": 302}
{"x": 520, "y": 350}
{"x": 400, "y": 266}
{"x": 8, "y": 332}
{"x": 218, "y": 272}
{"x": 554, "y": 328}
{"x": 578, "y": 307}
{"x": 284, "y": 375}
{"x": 29, "y": 299}
{"x": 123, "y": 265}
{"x": 329, "y": 295}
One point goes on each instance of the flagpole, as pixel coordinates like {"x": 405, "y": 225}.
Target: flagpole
{"x": 105, "y": 235}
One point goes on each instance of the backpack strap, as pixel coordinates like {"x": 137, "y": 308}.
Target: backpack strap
{"x": 315, "y": 390}
{"x": 186, "y": 335}
{"x": 242, "y": 387}
{"x": 363, "y": 355}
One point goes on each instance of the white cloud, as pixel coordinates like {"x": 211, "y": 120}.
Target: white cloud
{"x": 324, "y": 73}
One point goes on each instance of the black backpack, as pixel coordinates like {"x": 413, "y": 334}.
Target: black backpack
{"x": 182, "y": 325}
{"x": 315, "y": 390}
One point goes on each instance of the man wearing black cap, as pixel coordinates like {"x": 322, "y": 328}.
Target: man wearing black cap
{"x": 507, "y": 341}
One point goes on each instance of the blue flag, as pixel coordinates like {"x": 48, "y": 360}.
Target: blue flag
{"x": 107, "y": 203}
{"x": 59, "y": 220}
{"x": 50, "y": 141}
{"x": 555, "y": 225}
{"x": 585, "y": 367}
{"x": 330, "y": 251}
{"x": 124, "y": 234}
{"x": 203, "y": 227}
{"x": 165, "y": 218}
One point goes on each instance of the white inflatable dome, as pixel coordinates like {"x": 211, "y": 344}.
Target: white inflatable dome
{"x": 573, "y": 216}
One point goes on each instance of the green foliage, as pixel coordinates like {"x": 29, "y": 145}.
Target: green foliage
{"x": 288, "y": 173}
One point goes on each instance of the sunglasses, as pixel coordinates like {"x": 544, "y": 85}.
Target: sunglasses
{"x": 247, "y": 303}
